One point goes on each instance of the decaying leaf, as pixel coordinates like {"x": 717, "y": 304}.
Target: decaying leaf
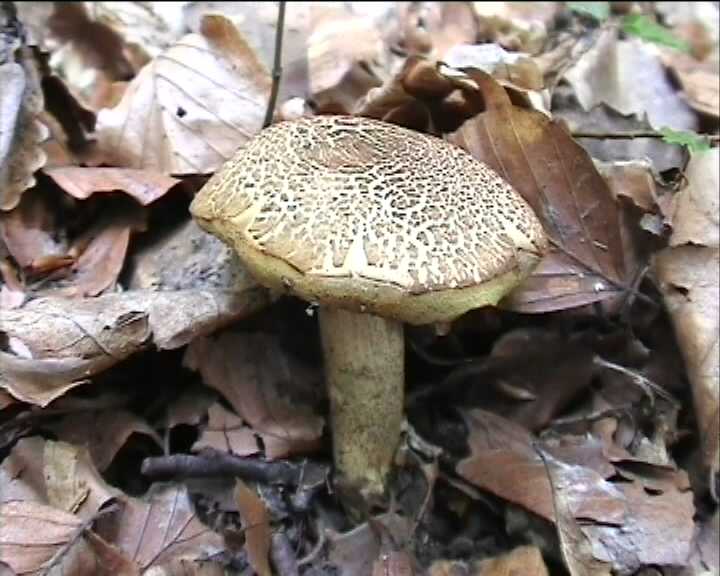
{"x": 688, "y": 273}
{"x": 54, "y": 344}
{"x": 557, "y": 177}
{"x": 629, "y": 77}
{"x": 625, "y": 525}
{"x": 160, "y": 531}
{"x": 145, "y": 186}
{"x": 256, "y": 524}
{"x": 21, "y": 102}
{"x": 32, "y": 533}
{"x": 191, "y": 107}
{"x": 259, "y": 380}
{"x": 112, "y": 429}
{"x": 226, "y": 432}
{"x": 521, "y": 560}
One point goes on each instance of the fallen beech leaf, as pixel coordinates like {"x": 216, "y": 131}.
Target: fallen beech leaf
{"x": 696, "y": 214}
{"x": 31, "y": 533}
{"x": 29, "y": 232}
{"x": 257, "y": 377}
{"x": 627, "y": 524}
{"x": 21, "y": 102}
{"x": 688, "y": 279}
{"x": 112, "y": 429}
{"x": 160, "y": 530}
{"x": 187, "y": 258}
{"x": 145, "y": 186}
{"x": 354, "y": 553}
{"x": 191, "y": 107}
{"x": 341, "y": 72}
{"x": 54, "y": 344}
{"x": 558, "y": 178}
{"x": 54, "y": 473}
{"x": 6, "y": 400}
{"x": 521, "y": 560}
{"x": 628, "y": 76}
{"x": 226, "y": 432}
{"x": 256, "y": 525}
{"x": 190, "y": 409}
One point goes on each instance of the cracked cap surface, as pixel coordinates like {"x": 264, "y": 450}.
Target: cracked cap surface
{"x": 367, "y": 215}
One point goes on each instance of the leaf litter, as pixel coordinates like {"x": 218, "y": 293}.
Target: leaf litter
{"x": 574, "y": 429}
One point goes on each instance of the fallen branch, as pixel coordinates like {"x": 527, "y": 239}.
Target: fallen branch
{"x": 277, "y": 65}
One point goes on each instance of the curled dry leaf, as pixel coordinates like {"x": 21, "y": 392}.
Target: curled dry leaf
{"x": 145, "y": 186}
{"x": 558, "y": 179}
{"x": 54, "y": 344}
{"x": 191, "y": 107}
{"x": 160, "y": 530}
{"x": 21, "y": 133}
{"x": 226, "y": 432}
{"x": 256, "y": 525}
{"x": 260, "y": 380}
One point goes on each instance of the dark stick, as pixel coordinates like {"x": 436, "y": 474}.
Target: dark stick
{"x": 277, "y": 65}
{"x": 223, "y": 465}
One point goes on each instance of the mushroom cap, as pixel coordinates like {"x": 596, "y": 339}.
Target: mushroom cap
{"x": 369, "y": 216}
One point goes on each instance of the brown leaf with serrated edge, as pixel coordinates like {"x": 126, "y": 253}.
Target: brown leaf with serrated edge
{"x": 191, "y": 107}
{"x": 558, "y": 179}
{"x": 160, "y": 530}
{"x": 145, "y": 186}
{"x": 256, "y": 524}
{"x": 226, "y": 432}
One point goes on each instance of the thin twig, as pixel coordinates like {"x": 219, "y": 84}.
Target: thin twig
{"x": 630, "y": 135}
{"x": 277, "y": 65}
{"x": 647, "y": 385}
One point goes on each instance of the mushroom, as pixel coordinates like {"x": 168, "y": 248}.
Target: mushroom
{"x": 379, "y": 225}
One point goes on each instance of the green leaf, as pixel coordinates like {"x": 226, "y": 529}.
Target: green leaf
{"x": 598, "y": 10}
{"x": 694, "y": 142}
{"x": 645, "y": 29}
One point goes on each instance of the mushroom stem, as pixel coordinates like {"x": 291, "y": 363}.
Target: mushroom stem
{"x": 365, "y": 375}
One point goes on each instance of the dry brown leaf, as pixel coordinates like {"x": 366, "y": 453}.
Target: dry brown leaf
{"x": 558, "y": 178}
{"x": 32, "y": 533}
{"x": 54, "y": 344}
{"x": 688, "y": 277}
{"x": 29, "y": 233}
{"x": 258, "y": 378}
{"x": 190, "y": 409}
{"x": 354, "y": 553}
{"x": 341, "y": 72}
{"x": 256, "y": 526}
{"x": 21, "y": 102}
{"x": 6, "y": 400}
{"x": 191, "y": 107}
{"x": 111, "y": 431}
{"x": 54, "y": 473}
{"x": 160, "y": 531}
{"x": 628, "y": 76}
{"x": 688, "y": 273}
{"x": 522, "y": 560}
{"x": 696, "y": 214}
{"x": 625, "y": 524}
{"x": 517, "y": 26}
{"x": 145, "y": 186}
{"x": 226, "y": 432}
{"x": 186, "y": 258}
